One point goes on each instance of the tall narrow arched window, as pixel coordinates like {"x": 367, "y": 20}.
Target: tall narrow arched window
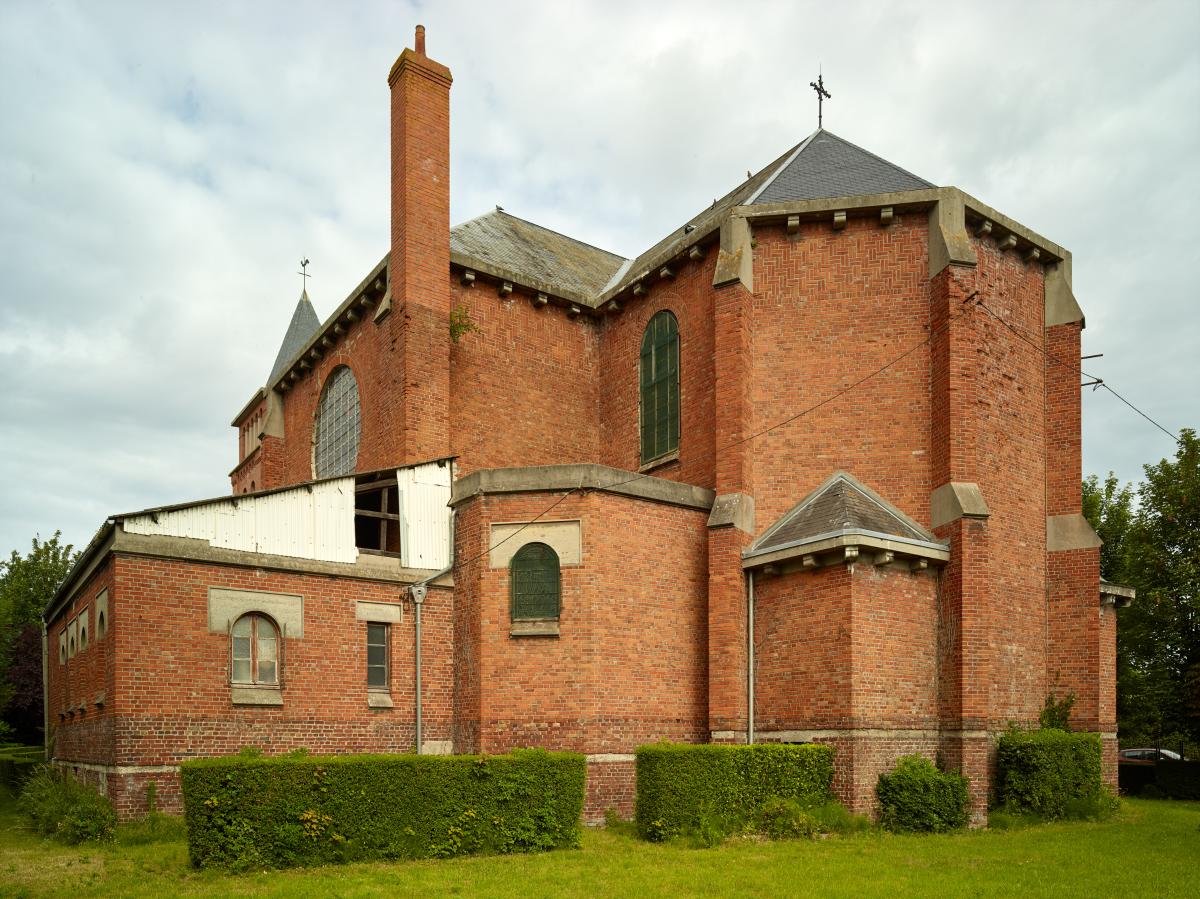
{"x": 339, "y": 422}
{"x": 659, "y": 379}
{"x": 255, "y": 651}
{"x": 534, "y": 581}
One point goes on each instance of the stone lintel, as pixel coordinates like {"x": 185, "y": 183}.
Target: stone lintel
{"x": 956, "y": 500}
{"x": 1073, "y": 531}
{"x": 733, "y": 509}
{"x": 581, "y": 476}
{"x": 735, "y": 258}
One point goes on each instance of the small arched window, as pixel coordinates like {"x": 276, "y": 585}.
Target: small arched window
{"x": 255, "y": 650}
{"x": 534, "y": 580}
{"x": 659, "y": 379}
{"x": 338, "y": 424}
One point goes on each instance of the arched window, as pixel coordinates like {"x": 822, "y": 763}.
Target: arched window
{"x": 534, "y": 580}
{"x": 335, "y": 435}
{"x": 660, "y": 387}
{"x": 255, "y": 650}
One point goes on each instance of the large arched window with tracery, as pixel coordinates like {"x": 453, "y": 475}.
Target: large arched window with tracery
{"x": 338, "y": 425}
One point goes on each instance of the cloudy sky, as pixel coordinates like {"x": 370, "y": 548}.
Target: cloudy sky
{"x": 164, "y": 166}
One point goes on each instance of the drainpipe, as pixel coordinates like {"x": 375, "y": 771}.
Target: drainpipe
{"x": 45, "y": 693}
{"x": 750, "y": 657}
{"x": 418, "y": 591}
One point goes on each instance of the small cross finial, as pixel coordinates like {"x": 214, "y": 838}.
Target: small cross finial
{"x": 822, "y": 96}
{"x": 303, "y": 273}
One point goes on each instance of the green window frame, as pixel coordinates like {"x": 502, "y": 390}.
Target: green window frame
{"x": 535, "y": 583}
{"x": 659, "y": 382}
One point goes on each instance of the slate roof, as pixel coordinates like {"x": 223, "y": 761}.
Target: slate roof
{"x": 825, "y": 165}
{"x": 841, "y": 504}
{"x": 822, "y": 165}
{"x": 539, "y": 254}
{"x": 301, "y": 328}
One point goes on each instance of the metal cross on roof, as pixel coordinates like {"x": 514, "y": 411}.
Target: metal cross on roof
{"x": 822, "y": 95}
{"x": 303, "y": 273}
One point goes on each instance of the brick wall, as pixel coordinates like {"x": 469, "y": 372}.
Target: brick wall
{"x": 629, "y": 664}
{"x": 831, "y": 307}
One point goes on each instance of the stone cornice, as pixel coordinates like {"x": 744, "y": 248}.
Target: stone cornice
{"x": 583, "y": 476}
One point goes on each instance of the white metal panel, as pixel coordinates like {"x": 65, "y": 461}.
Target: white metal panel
{"x": 425, "y": 508}
{"x": 314, "y": 522}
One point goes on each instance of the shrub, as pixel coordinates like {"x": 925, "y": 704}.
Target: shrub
{"x": 917, "y": 796}
{"x": 62, "y": 808}
{"x": 1057, "y": 715}
{"x": 245, "y": 812}
{"x": 1042, "y": 771}
{"x": 782, "y": 819}
{"x": 722, "y": 789}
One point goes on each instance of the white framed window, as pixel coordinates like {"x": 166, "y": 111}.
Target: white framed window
{"x": 254, "y": 650}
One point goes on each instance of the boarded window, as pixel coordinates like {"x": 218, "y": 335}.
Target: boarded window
{"x": 377, "y": 656}
{"x": 659, "y": 378}
{"x": 255, "y": 651}
{"x": 338, "y": 425}
{"x": 534, "y": 581}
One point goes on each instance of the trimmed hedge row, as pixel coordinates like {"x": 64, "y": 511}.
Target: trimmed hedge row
{"x": 17, "y": 764}
{"x": 308, "y": 810}
{"x": 1044, "y": 771}
{"x": 917, "y": 796}
{"x": 688, "y": 788}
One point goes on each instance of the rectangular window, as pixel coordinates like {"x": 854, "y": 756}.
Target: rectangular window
{"x": 377, "y": 656}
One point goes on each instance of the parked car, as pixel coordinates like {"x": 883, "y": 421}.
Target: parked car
{"x": 1147, "y": 756}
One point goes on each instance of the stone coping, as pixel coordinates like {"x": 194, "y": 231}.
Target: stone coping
{"x": 583, "y": 476}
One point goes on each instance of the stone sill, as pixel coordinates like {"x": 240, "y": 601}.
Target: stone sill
{"x": 660, "y": 461}
{"x": 379, "y": 699}
{"x": 537, "y": 628}
{"x": 256, "y": 695}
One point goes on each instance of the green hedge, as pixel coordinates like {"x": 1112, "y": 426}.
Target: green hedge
{"x": 244, "y": 812}
{"x": 1044, "y": 772}
{"x": 686, "y": 788}
{"x": 917, "y": 796}
{"x": 17, "y": 764}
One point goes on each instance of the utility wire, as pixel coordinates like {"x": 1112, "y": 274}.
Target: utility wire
{"x": 963, "y": 309}
{"x": 1077, "y": 369}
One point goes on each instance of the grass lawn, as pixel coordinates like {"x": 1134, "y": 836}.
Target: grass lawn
{"x": 1151, "y": 849}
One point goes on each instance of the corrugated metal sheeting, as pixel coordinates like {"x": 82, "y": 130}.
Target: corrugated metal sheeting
{"x": 425, "y": 514}
{"x": 311, "y": 522}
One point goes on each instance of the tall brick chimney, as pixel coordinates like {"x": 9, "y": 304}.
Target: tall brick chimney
{"x": 419, "y": 264}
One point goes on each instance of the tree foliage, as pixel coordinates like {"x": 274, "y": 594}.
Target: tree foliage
{"x": 1155, "y": 549}
{"x": 26, "y": 585}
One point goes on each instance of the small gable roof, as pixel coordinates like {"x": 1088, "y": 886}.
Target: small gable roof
{"x": 844, "y": 511}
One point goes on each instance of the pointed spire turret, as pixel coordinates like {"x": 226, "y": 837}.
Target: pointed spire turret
{"x": 301, "y": 328}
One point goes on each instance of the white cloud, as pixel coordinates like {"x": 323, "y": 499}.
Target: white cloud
{"x": 165, "y": 166}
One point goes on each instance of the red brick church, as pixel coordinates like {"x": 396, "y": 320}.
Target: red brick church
{"x": 808, "y": 469}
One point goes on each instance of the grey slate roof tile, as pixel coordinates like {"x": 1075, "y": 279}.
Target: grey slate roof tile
{"x": 303, "y": 326}
{"x": 841, "y": 503}
{"x": 541, "y": 255}
{"x": 828, "y": 166}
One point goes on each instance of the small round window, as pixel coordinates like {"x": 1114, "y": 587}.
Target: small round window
{"x": 339, "y": 422}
